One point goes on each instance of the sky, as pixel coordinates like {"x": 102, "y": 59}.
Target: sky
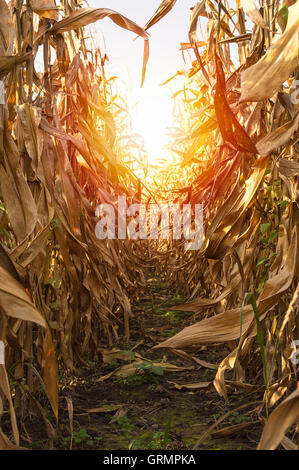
{"x": 152, "y": 116}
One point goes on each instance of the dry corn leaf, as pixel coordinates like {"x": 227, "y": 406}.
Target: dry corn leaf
{"x": 279, "y": 422}
{"x": 224, "y": 327}
{"x": 262, "y": 80}
{"x": 17, "y": 196}
{"x": 30, "y": 118}
{"x": 50, "y": 376}
{"x": 195, "y": 386}
{"x": 8, "y": 63}
{"x": 198, "y": 304}
{"x": 109, "y": 356}
{"x": 5, "y": 443}
{"x": 45, "y": 9}
{"x": 4, "y": 384}
{"x": 279, "y": 137}
{"x": 6, "y": 27}
{"x": 251, "y": 10}
{"x": 288, "y": 444}
{"x": 198, "y": 10}
{"x": 207, "y": 365}
{"x": 15, "y": 302}
{"x": 288, "y": 168}
{"x": 131, "y": 369}
{"x": 101, "y": 409}
{"x": 161, "y": 11}
{"x": 231, "y": 130}
{"x": 86, "y": 16}
{"x": 234, "y": 429}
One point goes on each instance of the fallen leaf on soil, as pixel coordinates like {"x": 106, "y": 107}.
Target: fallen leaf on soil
{"x": 121, "y": 412}
{"x": 115, "y": 354}
{"x": 194, "y": 386}
{"x": 131, "y": 369}
{"x": 243, "y": 385}
{"x": 5, "y": 443}
{"x": 101, "y": 409}
{"x": 288, "y": 444}
{"x": 206, "y": 364}
{"x": 231, "y": 430}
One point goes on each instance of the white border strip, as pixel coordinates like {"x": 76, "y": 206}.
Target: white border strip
{"x": 2, "y": 92}
{"x": 2, "y": 353}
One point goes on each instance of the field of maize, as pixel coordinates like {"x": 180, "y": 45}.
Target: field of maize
{"x": 71, "y": 302}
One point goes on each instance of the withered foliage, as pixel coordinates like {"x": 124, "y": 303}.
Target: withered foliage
{"x": 61, "y": 290}
{"x": 238, "y": 146}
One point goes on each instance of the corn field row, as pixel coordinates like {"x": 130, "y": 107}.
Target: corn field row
{"x": 64, "y": 292}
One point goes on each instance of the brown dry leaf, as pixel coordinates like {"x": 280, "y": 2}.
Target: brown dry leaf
{"x": 228, "y": 363}
{"x": 51, "y": 432}
{"x": 231, "y": 130}
{"x": 288, "y": 444}
{"x": 109, "y": 356}
{"x": 279, "y": 422}
{"x": 224, "y": 232}
{"x": 7, "y": 263}
{"x": 224, "y": 327}
{"x": 4, "y": 384}
{"x": 6, "y": 27}
{"x": 50, "y": 372}
{"x": 129, "y": 369}
{"x": 195, "y": 386}
{"x": 8, "y": 63}
{"x": 206, "y": 364}
{"x": 288, "y": 168}
{"x": 262, "y": 80}
{"x": 222, "y": 418}
{"x": 101, "y": 409}
{"x": 17, "y": 196}
{"x": 161, "y": 11}
{"x": 35, "y": 248}
{"x": 15, "y": 301}
{"x": 45, "y": 9}
{"x": 232, "y": 430}
{"x": 86, "y": 16}
{"x": 70, "y": 411}
{"x": 243, "y": 385}
{"x": 121, "y": 412}
{"x": 279, "y": 137}
{"x": 251, "y": 10}
{"x": 198, "y": 10}
{"x": 5, "y": 443}
{"x": 277, "y": 285}
{"x": 197, "y": 304}
{"x": 18, "y": 200}
{"x": 30, "y": 118}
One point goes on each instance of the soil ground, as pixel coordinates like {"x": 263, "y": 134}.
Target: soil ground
{"x": 145, "y": 411}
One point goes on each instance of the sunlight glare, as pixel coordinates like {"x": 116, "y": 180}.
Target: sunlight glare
{"x": 151, "y": 118}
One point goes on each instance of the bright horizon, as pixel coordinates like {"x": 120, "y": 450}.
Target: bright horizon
{"x": 153, "y": 114}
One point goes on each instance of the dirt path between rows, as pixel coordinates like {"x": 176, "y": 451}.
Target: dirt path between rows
{"x": 145, "y": 410}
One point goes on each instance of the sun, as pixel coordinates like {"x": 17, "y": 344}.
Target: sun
{"x": 151, "y": 118}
